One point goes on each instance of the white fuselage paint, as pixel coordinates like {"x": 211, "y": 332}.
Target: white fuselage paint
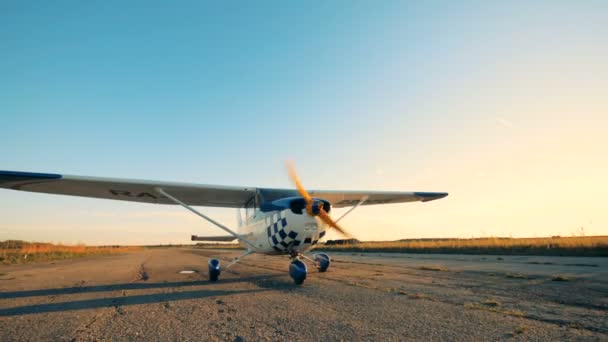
{"x": 305, "y": 229}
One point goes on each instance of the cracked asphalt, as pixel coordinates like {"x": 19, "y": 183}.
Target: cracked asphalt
{"x": 370, "y": 297}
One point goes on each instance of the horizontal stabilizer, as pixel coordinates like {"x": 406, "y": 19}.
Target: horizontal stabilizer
{"x": 227, "y": 238}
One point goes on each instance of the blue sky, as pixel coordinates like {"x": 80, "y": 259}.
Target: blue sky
{"x": 474, "y": 98}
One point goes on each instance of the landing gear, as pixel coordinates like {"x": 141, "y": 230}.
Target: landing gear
{"x": 237, "y": 259}
{"x": 297, "y": 268}
{"x": 214, "y": 269}
{"x": 297, "y": 271}
{"x": 322, "y": 261}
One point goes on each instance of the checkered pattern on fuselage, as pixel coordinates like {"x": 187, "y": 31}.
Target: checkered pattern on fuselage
{"x": 281, "y": 239}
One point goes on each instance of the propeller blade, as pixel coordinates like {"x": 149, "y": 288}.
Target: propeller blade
{"x": 296, "y": 180}
{"x": 323, "y": 215}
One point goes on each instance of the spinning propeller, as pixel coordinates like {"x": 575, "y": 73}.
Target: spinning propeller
{"x": 313, "y": 207}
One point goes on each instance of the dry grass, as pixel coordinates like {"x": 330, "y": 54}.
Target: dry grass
{"x": 578, "y": 245}
{"x": 14, "y": 252}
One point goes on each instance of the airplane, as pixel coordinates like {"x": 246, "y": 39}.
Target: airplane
{"x": 276, "y": 221}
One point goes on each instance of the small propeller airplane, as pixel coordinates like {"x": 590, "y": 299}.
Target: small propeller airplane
{"x": 276, "y": 221}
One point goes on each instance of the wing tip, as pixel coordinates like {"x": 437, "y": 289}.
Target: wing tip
{"x": 430, "y": 196}
{"x": 13, "y": 176}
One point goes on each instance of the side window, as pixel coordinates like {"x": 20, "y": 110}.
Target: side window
{"x": 250, "y": 209}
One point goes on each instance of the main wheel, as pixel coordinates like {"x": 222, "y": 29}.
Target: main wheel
{"x": 214, "y": 269}
{"x": 297, "y": 271}
{"x": 323, "y": 261}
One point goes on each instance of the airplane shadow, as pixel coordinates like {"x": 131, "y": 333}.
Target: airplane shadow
{"x": 126, "y": 300}
{"x": 128, "y": 286}
{"x": 118, "y": 301}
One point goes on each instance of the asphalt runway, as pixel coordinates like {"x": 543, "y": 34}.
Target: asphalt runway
{"x": 380, "y": 297}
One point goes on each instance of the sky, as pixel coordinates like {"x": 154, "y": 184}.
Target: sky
{"x": 502, "y": 104}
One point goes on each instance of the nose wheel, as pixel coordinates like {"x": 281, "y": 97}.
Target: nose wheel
{"x": 298, "y": 269}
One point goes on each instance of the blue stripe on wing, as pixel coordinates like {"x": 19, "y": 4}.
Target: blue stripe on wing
{"x": 429, "y": 196}
{"x": 16, "y": 176}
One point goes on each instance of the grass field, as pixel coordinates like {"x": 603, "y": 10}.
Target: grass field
{"x": 564, "y": 246}
{"x": 15, "y": 252}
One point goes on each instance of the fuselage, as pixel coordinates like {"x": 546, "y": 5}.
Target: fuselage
{"x": 282, "y": 231}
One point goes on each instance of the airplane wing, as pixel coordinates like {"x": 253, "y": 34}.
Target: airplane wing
{"x": 339, "y": 199}
{"x": 193, "y": 194}
{"x": 347, "y": 198}
{"x": 127, "y": 189}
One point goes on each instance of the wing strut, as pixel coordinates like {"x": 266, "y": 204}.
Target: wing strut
{"x": 237, "y": 259}
{"x": 209, "y": 219}
{"x": 363, "y": 199}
